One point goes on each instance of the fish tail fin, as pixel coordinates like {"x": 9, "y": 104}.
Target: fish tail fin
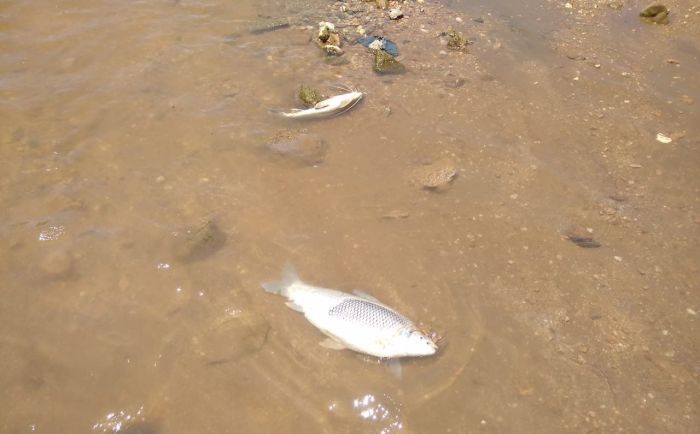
{"x": 281, "y": 287}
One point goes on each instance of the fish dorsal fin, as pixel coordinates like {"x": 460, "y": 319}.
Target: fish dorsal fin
{"x": 332, "y": 344}
{"x": 364, "y": 295}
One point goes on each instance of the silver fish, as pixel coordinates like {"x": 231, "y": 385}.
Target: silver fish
{"x": 332, "y": 106}
{"x": 356, "y": 321}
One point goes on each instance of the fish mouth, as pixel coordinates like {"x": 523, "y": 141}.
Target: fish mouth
{"x": 434, "y": 349}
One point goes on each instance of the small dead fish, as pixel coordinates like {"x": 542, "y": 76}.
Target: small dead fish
{"x": 355, "y": 321}
{"x": 332, "y": 106}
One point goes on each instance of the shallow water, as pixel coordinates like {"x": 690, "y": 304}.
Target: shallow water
{"x": 127, "y": 126}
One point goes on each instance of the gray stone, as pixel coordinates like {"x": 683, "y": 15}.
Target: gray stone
{"x": 395, "y": 14}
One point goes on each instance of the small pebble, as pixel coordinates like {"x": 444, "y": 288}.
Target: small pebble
{"x": 691, "y": 311}
{"x": 395, "y": 14}
{"x": 663, "y": 138}
{"x": 618, "y": 258}
{"x": 581, "y": 237}
{"x": 396, "y": 214}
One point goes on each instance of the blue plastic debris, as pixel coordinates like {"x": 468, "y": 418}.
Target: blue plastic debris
{"x": 387, "y": 45}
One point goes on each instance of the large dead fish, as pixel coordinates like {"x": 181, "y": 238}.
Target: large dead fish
{"x": 355, "y": 321}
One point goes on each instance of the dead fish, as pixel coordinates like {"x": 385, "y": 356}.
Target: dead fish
{"x": 357, "y": 321}
{"x": 332, "y": 106}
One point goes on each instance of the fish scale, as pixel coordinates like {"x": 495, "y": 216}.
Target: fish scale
{"x": 368, "y": 314}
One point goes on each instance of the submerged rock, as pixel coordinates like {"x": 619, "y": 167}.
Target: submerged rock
{"x": 57, "y": 264}
{"x": 655, "y": 13}
{"x": 370, "y": 41}
{"x": 328, "y": 39}
{"x": 436, "y": 175}
{"x": 305, "y": 148}
{"x": 309, "y": 96}
{"x": 455, "y": 40}
{"x": 385, "y": 63}
{"x": 581, "y": 237}
{"x": 198, "y": 242}
{"x": 325, "y": 30}
{"x": 233, "y": 336}
{"x": 395, "y": 14}
{"x": 333, "y": 50}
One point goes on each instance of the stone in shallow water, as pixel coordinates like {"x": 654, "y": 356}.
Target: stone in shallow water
{"x": 456, "y": 40}
{"x": 309, "y": 96}
{"x": 385, "y": 63}
{"x": 581, "y": 237}
{"x": 436, "y": 175}
{"x": 655, "y": 13}
{"x": 235, "y": 335}
{"x": 57, "y": 264}
{"x": 379, "y": 42}
{"x": 395, "y": 14}
{"x": 198, "y": 242}
{"x": 303, "y": 147}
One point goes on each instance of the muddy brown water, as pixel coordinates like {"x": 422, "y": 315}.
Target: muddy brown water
{"x": 147, "y": 191}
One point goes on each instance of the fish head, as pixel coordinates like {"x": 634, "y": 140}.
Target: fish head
{"x": 349, "y": 98}
{"x": 415, "y": 343}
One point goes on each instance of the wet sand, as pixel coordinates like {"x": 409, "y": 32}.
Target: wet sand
{"x": 148, "y": 190}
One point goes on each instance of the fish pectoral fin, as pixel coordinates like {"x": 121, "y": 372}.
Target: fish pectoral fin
{"x": 394, "y": 366}
{"x": 290, "y": 304}
{"x": 332, "y": 344}
{"x": 364, "y": 295}
{"x": 321, "y": 104}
